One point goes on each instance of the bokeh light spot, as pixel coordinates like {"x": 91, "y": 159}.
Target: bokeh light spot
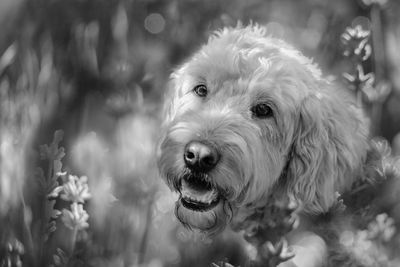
{"x": 154, "y": 23}
{"x": 311, "y": 38}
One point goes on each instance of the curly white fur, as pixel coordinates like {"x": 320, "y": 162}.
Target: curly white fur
{"x": 313, "y": 146}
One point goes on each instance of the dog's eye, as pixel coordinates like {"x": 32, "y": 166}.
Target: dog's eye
{"x": 262, "y": 110}
{"x": 200, "y": 90}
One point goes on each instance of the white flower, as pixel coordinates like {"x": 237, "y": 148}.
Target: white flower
{"x": 75, "y": 190}
{"x": 76, "y": 218}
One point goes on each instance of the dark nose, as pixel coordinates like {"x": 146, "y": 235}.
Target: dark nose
{"x": 200, "y": 157}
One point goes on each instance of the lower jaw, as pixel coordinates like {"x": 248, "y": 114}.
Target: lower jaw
{"x": 198, "y": 207}
{"x": 211, "y": 221}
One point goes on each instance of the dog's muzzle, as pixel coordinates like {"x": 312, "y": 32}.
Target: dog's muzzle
{"x": 196, "y": 190}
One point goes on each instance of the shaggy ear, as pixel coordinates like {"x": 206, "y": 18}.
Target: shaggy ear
{"x": 329, "y": 147}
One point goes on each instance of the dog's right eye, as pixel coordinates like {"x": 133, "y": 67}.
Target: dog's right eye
{"x": 262, "y": 111}
{"x": 200, "y": 90}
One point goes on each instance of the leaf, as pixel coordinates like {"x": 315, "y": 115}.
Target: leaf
{"x": 44, "y": 152}
{"x": 276, "y": 254}
{"x": 50, "y": 228}
{"x": 55, "y": 192}
{"x": 382, "y": 146}
{"x": 60, "y": 258}
{"x": 8, "y": 57}
{"x": 55, "y": 213}
{"x": 58, "y": 136}
{"x": 39, "y": 174}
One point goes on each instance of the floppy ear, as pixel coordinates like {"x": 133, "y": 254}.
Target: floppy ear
{"x": 328, "y": 149}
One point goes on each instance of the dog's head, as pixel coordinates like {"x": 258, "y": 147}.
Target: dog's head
{"x": 249, "y": 114}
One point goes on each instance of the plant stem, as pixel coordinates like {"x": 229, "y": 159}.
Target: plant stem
{"x": 378, "y": 63}
{"x": 143, "y": 243}
{"x": 357, "y": 84}
{"x": 27, "y": 230}
{"x": 73, "y": 241}
{"x": 44, "y": 219}
{"x": 72, "y": 246}
{"x": 377, "y": 42}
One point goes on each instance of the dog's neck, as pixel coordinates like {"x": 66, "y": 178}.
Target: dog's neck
{"x": 266, "y": 218}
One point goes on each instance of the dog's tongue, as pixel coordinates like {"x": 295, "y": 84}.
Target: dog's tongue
{"x": 199, "y": 195}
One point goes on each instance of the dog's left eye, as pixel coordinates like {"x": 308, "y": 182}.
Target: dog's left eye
{"x": 200, "y": 90}
{"x": 262, "y": 110}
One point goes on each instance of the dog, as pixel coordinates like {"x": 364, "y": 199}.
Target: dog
{"x": 247, "y": 117}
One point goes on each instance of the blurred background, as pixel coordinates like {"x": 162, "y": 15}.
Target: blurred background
{"x": 81, "y": 87}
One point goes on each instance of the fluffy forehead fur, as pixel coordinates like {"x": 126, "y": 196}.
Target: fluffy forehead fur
{"x": 312, "y": 146}
{"x": 239, "y": 61}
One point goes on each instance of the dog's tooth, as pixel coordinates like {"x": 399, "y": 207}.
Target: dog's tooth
{"x": 190, "y": 194}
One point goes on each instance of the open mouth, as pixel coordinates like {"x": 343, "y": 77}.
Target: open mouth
{"x": 198, "y": 194}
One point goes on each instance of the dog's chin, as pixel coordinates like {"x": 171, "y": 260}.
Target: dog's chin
{"x": 201, "y": 206}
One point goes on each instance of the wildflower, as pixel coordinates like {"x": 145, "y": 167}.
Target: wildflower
{"x": 13, "y": 251}
{"x": 359, "y": 245}
{"x": 53, "y": 152}
{"x": 276, "y": 253}
{"x": 360, "y": 79}
{"x": 60, "y": 258}
{"x": 355, "y": 41}
{"x": 377, "y": 93}
{"x": 382, "y": 146}
{"x": 388, "y": 165}
{"x": 76, "y": 218}
{"x": 74, "y": 190}
{"x": 339, "y": 205}
{"x": 382, "y": 228}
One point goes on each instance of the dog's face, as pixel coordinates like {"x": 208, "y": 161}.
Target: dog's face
{"x": 247, "y": 115}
